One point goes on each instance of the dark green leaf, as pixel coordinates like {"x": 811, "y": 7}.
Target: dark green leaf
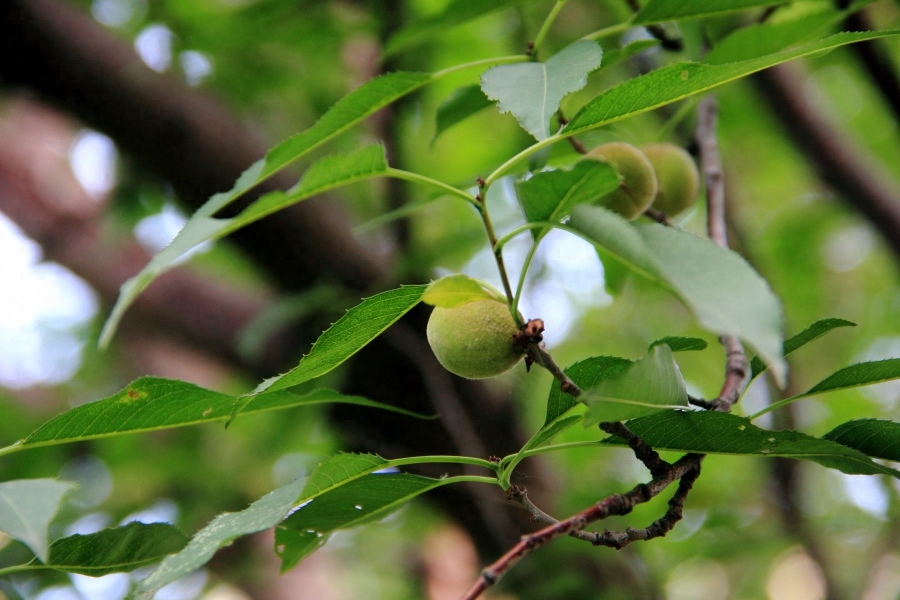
{"x": 711, "y": 432}
{"x": 460, "y": 105}
{"x": 26, "y": 508}
{"x": 676, "y": 81}
{"x": 532, "y": 91}
{"x": 652, "y": 384}
{"x": 120, "y": 549}
{"x": 682, "y": 344}
{"x": 586, "y": 374}
{"x": 357, "y": 502}
{"x": 811, "y": 333}
{"x": 858, "y": 375}
{"x": 873, "y": 437}
{"x": 262, "y": 514}
{"x": 656, "y": 11}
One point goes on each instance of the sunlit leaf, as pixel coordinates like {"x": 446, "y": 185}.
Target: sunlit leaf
{"x": 532, "y": 91}
{"x": 873, "y": 437}
{"x": 456, "y": 290}
{"x": 27, "y": 506}
{"x": 586, "y": 374}
{"x": 710, "y": 432}
{"x": 652, "y": 384}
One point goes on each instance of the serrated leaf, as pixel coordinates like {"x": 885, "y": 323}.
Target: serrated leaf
{"x": 676, "y": 81}
{"x": 873, "y": 437}
{"x": 115, "y": 550}
{"x": 532, "y": 91}
{"x": 811, "y": 333}
{"x": 458, "y": 106}
{"x": 652, "y": 384}
{"x": 710, "y": 432}
{"x": 586, "y": 374}
{"x": 681, "y": 344}
{"x": 456, "y": 290}
{"x": 722, "y": 290}
{"x": 551, "y": 195}
{"x": 152, "y": 403}
{"x": 359, "y": 326}
{"x": 326, "y": 173}
{"x": 357, "y": 502}
{"x": 857, "y": 375}
{"x": 657, "y": 11}
{"x": 262, "y": 514}
{"x": 27, "y": 506}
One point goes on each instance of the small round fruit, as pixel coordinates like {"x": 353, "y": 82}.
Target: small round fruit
{"x": 676, "y": 173}
{"x": 638, "y": 185}
{"x": 474, "y": 340}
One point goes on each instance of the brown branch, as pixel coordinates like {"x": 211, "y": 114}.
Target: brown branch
{"x": 541, "y": 357}
{"x": 642, "y": 451}
{"x": 616, "y": 504}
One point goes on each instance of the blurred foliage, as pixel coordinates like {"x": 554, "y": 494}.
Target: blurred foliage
{"x": 280, "y": 63}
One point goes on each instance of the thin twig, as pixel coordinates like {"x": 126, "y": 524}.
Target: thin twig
{"x": 711, "y": 165}
{"x": 543, "y": 358}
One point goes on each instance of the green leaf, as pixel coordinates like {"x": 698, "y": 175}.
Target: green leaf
{"x": 551, "y": 195}
{"x": 710, "y": 432}
{"x": 532, "y": 91}
{"x": 586, "y": 374}
{"x": 857, "y": 375}
{"x": 652, "y": 384}
{"x": 657, "y": 11}
{"x": 336, "y": 470}
{"x": 455, "y": 13}
{"x": 27, "y": 506}
{"x": 356, "y": 502}
{"x": 460, "y": 105}
{"x": 115, "y": 550}
{"x": 811, "y": 333}
{"x": 722, "y": 290}
{"x": 873, "y": 437}
{"x": 617, "y": 55}
{"x": 676, "y": 81}
{"x": 456, "y": 290}
{"x": 681, "y": 344}
{"x": 359, "y": 326}
{"x": 152, "y": 403}
{"x": 221, "y": 531}
{"x": 326, "y": 173}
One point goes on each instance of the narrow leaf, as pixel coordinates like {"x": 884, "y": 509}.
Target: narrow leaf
{"x": 709, "y": 432}
{"x": 456, "y": 290}
{"x": 652, "y": 384}
{"x": 656, "y": 11}
{"x": 460, "y": 105}
{"x": 532, "y": 91}
{"x": 326, "y": 173}
{"x": 115, "y": 550}
{"x": 872, "y": 437}
{"x": 551, "y": 195}
{"x": 357, "y": 502}
{"x": 857, "y": 375}
{"x": 676, "y": 81}
{"x": 722, "y": 290}
{"x": 359, "y": 326}
{"x": 262, "y": 514}
{"x": 152, "y": 403}
{"x": 681, "y": 344}
{"x": 811, "y": 333}
{"x": 586, "y": 374}
{"x": 27, "y": 506}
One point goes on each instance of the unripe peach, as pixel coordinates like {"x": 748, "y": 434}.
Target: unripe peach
{"x": 474, "y": 340}
{"x": 637, "y": 187}
{"x": 676, "y": 173}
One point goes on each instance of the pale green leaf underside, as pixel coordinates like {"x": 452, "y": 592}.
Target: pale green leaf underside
{"x": 262, "y": 514}
{"x": 115, "y": 550}
{"x": 26, "y": 508}
{"x": 456, "y": 290}
{"x": 651, "y": 384}
{"x": 709, "y": 432}
{"x": 674, "y": 82}
{"x": 532, "y": 91}
{"x": 725, "y": 294}
{"x": 326, "y": 173}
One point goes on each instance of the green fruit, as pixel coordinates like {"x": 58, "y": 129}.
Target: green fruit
{"x": 637, "y": 187}
{"x": 676, "y": 173}
{"x": 474, "y": 340}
